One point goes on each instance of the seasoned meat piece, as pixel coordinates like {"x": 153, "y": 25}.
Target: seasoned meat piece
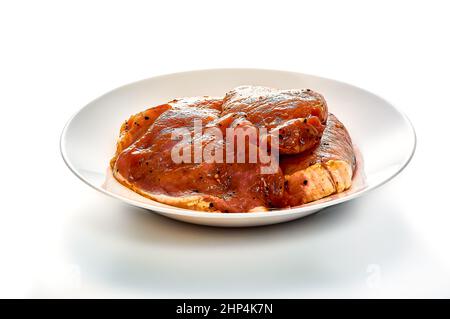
{"x": 298, "y": 116}
{"x": 148, "y": 168}
{"x": 320, "y": 172}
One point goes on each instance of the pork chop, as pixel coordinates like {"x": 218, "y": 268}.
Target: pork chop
{"x": 147, "y": 167}
{"x": 311, "y": 166}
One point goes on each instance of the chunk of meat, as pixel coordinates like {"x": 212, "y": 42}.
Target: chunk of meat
{"x": 320, "y": 172}
{"x": 297, "y": 116}
{"x": 147, "y": 166}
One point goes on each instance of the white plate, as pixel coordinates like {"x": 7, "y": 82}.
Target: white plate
{"x": 383, "y": 135}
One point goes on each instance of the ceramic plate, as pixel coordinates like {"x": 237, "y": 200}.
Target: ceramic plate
{"x": 383, "y": 136}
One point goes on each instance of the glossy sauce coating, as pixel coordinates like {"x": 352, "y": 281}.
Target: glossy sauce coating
{"x": 298, "y": 116}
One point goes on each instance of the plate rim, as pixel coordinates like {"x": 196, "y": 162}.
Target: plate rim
{"x": 272, "y": 213}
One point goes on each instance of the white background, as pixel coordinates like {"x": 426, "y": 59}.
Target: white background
{"x": 59, "y": 238}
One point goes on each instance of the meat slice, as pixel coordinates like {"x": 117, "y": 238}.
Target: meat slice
{"x": 297, "y": 116}
{"x": 147, "y": 166}
{"x": 320, "y": 172}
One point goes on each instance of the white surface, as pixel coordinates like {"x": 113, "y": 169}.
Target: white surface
{"x": 60, "y": 238}
{"x": 89, "y": 138}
